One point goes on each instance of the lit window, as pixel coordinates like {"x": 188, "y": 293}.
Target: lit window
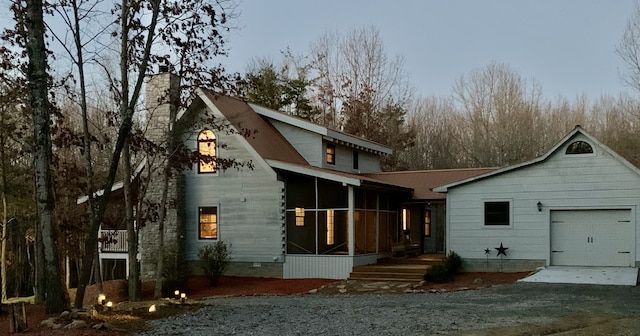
{"x": 207, "y": 151}
{"x": 331, "y": 154}
{"x": 299, "y": 216}
{"x": 496, "y": 213}
{"x": 427, "y": 223}
{"x": 330, "y": 227}
{"x": 579, "y": 147}
{"x": 208, "y": 218}
{"x": 405, "y": 219}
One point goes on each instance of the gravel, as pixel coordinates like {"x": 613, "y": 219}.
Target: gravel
{"x": 518, "y": 304}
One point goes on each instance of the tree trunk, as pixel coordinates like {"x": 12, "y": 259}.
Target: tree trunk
{"x": 56, "y": 301}
{"x": 132, "y": 237}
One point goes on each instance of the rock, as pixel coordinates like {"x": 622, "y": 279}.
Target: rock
{"x": 76, "y": 324}
{"x": 50, "y": 322}
{"x": 478, "y": 281}
{"x": 313, "y": 291}
{"x": 64, "y": 314}
{"x": 57, "y": 326}
{"x": 342, "y": 290}
{"x": 433, "y": 291}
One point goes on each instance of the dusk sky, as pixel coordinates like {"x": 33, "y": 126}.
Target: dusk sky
{"x": 567, "y": 46}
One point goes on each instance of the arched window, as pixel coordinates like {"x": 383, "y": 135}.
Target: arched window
{"x": 207, "y": 151}
{"x": 579, "y": 147}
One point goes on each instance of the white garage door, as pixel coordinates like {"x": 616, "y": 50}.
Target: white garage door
{"x": 592, "y": 238}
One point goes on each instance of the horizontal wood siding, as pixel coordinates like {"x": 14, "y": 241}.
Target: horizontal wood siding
{"x": 369, "y": 163}
{"x": 313, "y": 266}
{"x": 562, "y": 182}
{"x": 307, "y": 143}
{"x": 248, "y": 202}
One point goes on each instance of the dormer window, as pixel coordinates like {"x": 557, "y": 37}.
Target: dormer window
{"x": 579, "y": 147}
{"x": 331, "y": 154}
{"x": 207, "y": 151}
{"x": 356, "y": 164}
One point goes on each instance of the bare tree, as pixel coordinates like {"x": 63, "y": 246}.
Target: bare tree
{"x": 629, "y": 50}
{"x": 37, "y": 77}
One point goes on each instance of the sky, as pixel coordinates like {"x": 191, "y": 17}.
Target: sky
{"x": 566, "y": 46}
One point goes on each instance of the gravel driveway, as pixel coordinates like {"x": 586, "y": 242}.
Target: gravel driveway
{"x": 516, "y": 309}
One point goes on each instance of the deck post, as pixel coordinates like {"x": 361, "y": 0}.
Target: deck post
{"x": 351, "y": 222}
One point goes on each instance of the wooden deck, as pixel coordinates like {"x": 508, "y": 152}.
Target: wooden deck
{"x": 409, "y": 269}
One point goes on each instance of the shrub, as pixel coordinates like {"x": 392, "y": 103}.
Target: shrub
{"x": 444, "y": 271}
{"x": 215, "y": 260}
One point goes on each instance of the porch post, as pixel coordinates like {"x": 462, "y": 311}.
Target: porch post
{"x": 351, "y": 222}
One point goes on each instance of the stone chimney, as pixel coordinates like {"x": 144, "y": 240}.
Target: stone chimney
{"x": 162, "y": 94}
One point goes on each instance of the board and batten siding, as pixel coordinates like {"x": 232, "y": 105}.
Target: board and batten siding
{"x": 248, "y": 202}
{"x": 562, "y": 182}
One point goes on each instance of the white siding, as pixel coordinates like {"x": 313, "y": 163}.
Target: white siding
{"x": 563, "y": 182}
{"x": 324, "y": 266}
{"x": 248, "y": 204}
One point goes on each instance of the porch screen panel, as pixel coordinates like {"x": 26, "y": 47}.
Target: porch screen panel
{"x": 301, "y": 239}
{"x": 383, "y": 232}
{"x": 301, "y": 192}
{"x": 340, "y": 232}
{"x": 360, "y": 234}
{"x": 332, "y": 195}
{"x": 370, "y": 245}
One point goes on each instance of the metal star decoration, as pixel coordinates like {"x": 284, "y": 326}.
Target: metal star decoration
{"x": 502, "y": 250}
{"x": 487, "y": 251}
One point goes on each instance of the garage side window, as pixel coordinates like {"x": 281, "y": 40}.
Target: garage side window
{"x": 497, "y": 213}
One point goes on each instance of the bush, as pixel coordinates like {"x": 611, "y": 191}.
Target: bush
{"x": 216, "y": 259}
{"x": 444, "y": 271}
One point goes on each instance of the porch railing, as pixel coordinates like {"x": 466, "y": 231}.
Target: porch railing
{"x": 113, "y": 241}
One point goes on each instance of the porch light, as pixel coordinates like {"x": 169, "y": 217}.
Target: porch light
{"x": 539, "y": 206}
{"x": 102, "y": 299}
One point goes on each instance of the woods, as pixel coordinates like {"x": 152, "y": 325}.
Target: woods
{"x": 72, "y": 120}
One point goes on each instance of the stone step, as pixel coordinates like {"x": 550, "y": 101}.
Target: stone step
{"x": 378, "y": 276}
{"x": 420, "y": 260}
{"x": 409, "y": 273}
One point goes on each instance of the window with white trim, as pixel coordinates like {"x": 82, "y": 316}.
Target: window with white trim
{"x": 208, "y": 222}
{"x": 497, "y": 213}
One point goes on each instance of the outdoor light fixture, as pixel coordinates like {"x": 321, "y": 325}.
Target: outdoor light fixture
{"x": 152, "y": 309}
{"x": 183, "y": 297}
{"x": 102, "y": 299}
{"x": 109, "y": 305}
{"x": 176, "y": 294}
{"x": 539, "y": 206}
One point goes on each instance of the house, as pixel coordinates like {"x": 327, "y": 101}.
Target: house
{"x": 305, "y": 209}
{"x": 576, "y": 205}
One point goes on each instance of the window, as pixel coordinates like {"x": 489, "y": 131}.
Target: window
{"x": 299, "y": 216}
{"x": 355, "y": 159}
{"x": 579, "y": 147}
{"x": 405, "y": 219}
{"x": 208, "y": 219}
{"x": 497, "y": 213}
{"x": 331, "y": 154}
{"x": 330, "y": 227}
{"x": 207, "y": 151}
{"x": 427, "y": 223}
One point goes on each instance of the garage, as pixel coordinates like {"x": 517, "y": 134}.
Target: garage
{"x": 592, "y": 238}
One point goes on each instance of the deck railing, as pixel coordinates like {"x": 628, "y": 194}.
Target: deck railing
{"x": 113, "y": 241}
